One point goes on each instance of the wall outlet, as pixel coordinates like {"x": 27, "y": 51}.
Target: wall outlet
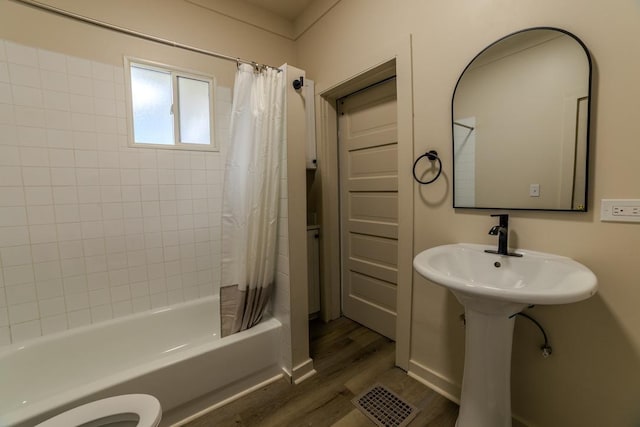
{"x": 534, "y": 190}
{"x": 620, "y": 210}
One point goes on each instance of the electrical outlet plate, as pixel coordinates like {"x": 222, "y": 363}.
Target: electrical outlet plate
{"x": 620, "y": 210}
{"x": 534, "y": 190}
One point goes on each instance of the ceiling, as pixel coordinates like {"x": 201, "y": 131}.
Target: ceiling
{"x": 286, "y": 18}
{"x": 288, "y": 9}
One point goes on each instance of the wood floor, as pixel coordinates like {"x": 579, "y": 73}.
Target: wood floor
{"x": 348, "y": 359}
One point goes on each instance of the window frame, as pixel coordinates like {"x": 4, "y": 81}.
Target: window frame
{"x": 175, "y": 73}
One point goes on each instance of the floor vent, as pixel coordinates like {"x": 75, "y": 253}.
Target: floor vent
{"x": 384, "y": 407}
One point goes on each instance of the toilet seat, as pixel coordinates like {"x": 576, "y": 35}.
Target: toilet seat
{"x": 146, "y": 407}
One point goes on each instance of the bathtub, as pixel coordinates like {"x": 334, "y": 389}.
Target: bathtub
{"x": 174, "y": 353}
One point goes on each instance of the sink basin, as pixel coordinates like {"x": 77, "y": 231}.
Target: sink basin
{"x": 534, "y": 278}
{"x": 492, "y": 289}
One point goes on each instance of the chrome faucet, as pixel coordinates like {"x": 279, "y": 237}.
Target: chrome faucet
{"x": 502, "y": 231}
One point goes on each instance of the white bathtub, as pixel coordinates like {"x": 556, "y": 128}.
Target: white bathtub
{"x": 173, "y": 353}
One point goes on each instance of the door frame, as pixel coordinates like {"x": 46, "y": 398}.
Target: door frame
{"x": 394, "y": 59}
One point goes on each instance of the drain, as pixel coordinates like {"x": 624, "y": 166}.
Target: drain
{"x": 384, "y": 407}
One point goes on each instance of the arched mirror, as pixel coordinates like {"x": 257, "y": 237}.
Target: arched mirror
{"x": 521, "y": 124}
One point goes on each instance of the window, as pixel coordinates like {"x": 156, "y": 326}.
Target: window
{"x": 169, "y": 107}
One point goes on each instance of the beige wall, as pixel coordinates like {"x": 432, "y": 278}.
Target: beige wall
{"x": 593, "y": 377}
{"x": 179, "y": 21}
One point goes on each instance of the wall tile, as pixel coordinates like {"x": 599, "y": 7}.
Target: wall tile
{"x": 56, "y": 119}
{"x": 41, "y": 214}
{"x": 53, "y": 324}
{"x": 18, "y": 274}
{"x": 42, "y": 233}
{"x": 4, "y": 317}
{"x": 14, "y": 236}
{"x": 27, "y": 96}
{"x": 30, "y": 117}
{"x": 55, "y": 100}
{"x": 4, "y": 72}
{"x": 50, "y": 289}
{"x": 77, "y": 301}
{"x": 55, "y": 81}
{"x": 66, "y": 195}
{"x": 101, "y": 71}
{"x": 21, "y": 75}
{"x": 79, "y": 85}
{"x": 52, "y": 61}
{"x": 8, "y": 134}
{"x": 63, "y": 176}
{"x": 61, "y": 158}
{"x": 78, "y": 318}
{"x": 20, "y": 294}
{"x": 5, "y": 336}
{"x": 36, "y": 176}
{"x": 101, "y": 313}
{"x": 52, "y": 307}
{"x": 44, "y": 252}
{"x": 59, "y": 138}
{"x": 7, "y": 114}
{"x": 5, "y": 94}
{"x": 104, "y": 90}
{"x": 20, "y": 54}
{"x": 78, "y": 66}
{"x": 71, "y": 249}
{"x": 34, "y": 156}
{"x": 11, "y": 196}
{"x": 16, "y": 255}
{"x": 24, "y": 331}
{"x": 23, "y": 312}
{"x": 31, "y": 136}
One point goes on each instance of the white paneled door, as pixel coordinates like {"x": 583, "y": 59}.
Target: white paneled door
{"x": 368, "y": 157}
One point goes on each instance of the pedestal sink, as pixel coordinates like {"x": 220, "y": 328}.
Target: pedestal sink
{"x": 493, "y": 287}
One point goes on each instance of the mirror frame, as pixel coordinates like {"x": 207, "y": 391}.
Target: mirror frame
{"x": 588, "y": 128}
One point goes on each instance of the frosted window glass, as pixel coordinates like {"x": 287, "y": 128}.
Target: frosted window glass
{"x": 194, "y": 111}
{"x": 152, "y": 98}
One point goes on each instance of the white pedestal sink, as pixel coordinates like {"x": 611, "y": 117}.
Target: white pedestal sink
{"x": 493, "y": 287}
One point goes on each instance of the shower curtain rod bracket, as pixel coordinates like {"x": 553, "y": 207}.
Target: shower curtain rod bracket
{"x": 299, "y": 83}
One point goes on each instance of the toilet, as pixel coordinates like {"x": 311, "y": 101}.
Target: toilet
{"x": 129, "y": 410}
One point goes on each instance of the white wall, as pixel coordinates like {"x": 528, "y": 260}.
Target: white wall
{"x": 91, "y": 229}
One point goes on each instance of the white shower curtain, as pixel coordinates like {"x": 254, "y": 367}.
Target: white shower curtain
{"x": 251, "y": 197}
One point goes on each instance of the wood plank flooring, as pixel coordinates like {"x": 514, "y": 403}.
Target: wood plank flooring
{"x": 348, "y": 359}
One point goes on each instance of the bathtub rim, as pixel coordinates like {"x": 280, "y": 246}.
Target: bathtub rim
{"x": 22, "y": 345}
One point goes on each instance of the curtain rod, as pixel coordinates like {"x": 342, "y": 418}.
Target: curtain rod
{"x": 127, "y": 31}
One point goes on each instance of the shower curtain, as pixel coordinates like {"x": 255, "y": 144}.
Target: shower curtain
{"x": 251, "y": 197}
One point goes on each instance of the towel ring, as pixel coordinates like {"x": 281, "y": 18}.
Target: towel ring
{"x": 431, "y": 155}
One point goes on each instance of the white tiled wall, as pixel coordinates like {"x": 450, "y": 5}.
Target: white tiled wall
{"x": 90, "y": 228}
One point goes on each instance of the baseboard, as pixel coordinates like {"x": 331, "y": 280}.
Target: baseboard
{"x": 302, "y": 371}
{"x": 435, "y": 381}
{"x": 226, "y": 401}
